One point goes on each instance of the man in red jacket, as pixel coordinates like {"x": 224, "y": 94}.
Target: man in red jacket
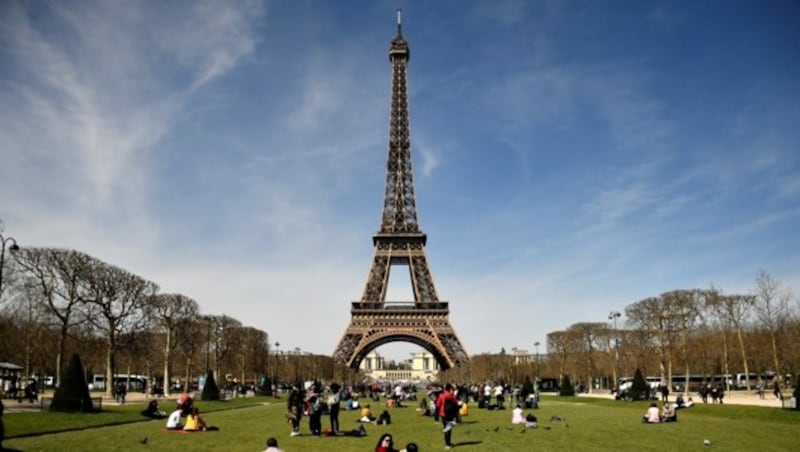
{"x": 447, "y": 405}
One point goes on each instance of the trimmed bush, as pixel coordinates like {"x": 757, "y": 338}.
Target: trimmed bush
{"x": 72, "y": 395}
{"x": 210, "y": 389}
{"x": 566, "y": 387}
{"x": 639, "y": 388}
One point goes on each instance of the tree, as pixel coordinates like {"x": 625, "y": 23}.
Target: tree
{"x": 225, "y": 341}
{"x": 772, "y": 310}
{"x": 586, "y": 334}
{"x": 683, "y": 306}
{"x": 62, "y": 279}
{"x": 116, "y": 307}
{"x": 733, "y": 311}
{"x": 652, "y": 315}
{"x": 252, "y": 353}
{"x": 169, "y": 310}
{"x": 562, "y": 345}
{"x": 72, "y": 394}
{"x": 190, "y": 338}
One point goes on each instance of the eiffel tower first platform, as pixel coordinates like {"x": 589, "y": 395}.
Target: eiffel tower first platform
{"x": 400, "y": 242}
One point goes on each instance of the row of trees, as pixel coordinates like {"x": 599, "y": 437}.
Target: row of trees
{"x": 58, "y": 301}
{"x": 672, "y": 335}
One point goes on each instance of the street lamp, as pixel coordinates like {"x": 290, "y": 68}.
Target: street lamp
{"x": 275, "y": 367}
{"x": 13, "y": 247}
{"x": 536, "y": 380}
{"x": 613, "y": 316}
{"x": 208, "y": 343}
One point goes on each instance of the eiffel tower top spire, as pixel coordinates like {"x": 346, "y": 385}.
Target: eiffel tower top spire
{"x": 399, "y": 205}
{"x": 399, "y": 45}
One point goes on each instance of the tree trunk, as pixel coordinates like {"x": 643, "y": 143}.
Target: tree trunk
{"x": 725, "y": 360}
{"x": 775, "y": 355}
{"x": 109, "y": 368}
{"x": 166, "y": 381}
{"x": 744, "y": 358}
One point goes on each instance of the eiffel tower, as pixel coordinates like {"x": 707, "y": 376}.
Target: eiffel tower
{"x": 400, "y": 242}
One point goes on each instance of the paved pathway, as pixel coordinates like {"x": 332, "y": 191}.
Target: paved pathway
{"x": 731, "y": 397}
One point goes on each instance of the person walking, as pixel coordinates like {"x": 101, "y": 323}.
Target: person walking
{"x": 447, "y": 407}
{"x": 334, "y": 405}
{"x": 777, "y": 389}
{"x": 295, "y": 408}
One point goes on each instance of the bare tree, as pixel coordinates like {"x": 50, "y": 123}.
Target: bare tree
{"x": 169, "y": 311}
{"x": 252, "y": 350}
{"x": 562, "y": 345}
{"x": 772, "y": 310}
{"x": 61, "y": 277}
{"x": 733, "y": 311}
{"x": 190, "y": 338}
{"x": 225, "y": 341}
{"x": 116, "y": 308}
{"x": 651, "y": 314}
{"x": 684, "y": 306}
{"x": 587, "y": 334}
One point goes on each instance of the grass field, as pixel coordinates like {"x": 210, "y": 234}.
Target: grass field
{"x": 587, "y": 424}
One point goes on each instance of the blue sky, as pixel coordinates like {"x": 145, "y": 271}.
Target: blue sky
{"x": 570, "y": 157}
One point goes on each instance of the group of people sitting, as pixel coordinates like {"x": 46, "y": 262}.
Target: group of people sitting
{"x": 655, "y": 416}
{"x": 367, "y": 417}
{"x": 185, "y": 408}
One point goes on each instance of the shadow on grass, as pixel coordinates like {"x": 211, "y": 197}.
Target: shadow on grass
{"x": 467, "y": 443}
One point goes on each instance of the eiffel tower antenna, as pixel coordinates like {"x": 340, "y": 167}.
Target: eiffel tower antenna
{"x": 400, "y": 242}
{"x": 399, "y": 22}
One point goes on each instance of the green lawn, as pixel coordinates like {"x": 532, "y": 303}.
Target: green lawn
{"x": 589, "y": 424}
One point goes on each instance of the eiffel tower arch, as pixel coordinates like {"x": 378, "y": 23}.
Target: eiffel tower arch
{"x": 423, "y": 321}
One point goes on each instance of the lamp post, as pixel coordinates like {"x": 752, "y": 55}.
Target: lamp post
{"x": 536, "y": 379}
{"x": 275, "y": 368}
{"x": 613, "y": 316}
{"x": 208, "y": 344}
{"x": 13, "y": 247}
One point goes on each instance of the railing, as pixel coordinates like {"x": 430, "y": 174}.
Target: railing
{"x": 400, "y": 305}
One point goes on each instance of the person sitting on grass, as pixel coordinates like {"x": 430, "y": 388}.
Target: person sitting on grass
{"x": 516, "y": 416}
{"x": 194, "y": 423}
{"x": 385, "y": 418}
{"x": 531, "y": 421}
{"x": 652, "y": 416}
{"x": 174, "y": 420}
{"x": 681, "y": 403}
{"x": 366, "y": 414}
{"x": 152, "y": 411}
{"x": 668, "y": 414}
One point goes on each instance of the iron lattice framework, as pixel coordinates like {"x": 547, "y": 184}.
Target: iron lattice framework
{"x": 425, "y": 320}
